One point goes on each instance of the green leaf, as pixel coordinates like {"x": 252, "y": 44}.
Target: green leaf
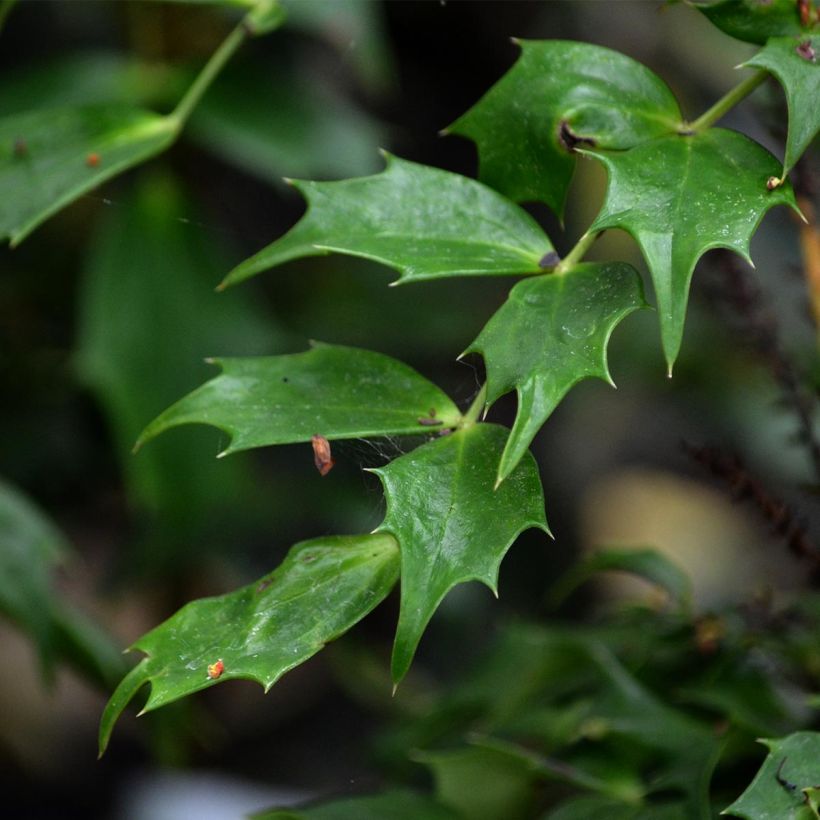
{"x": 451, "y": 525}
{"x": 50, "y": 158}
{"x": 334, "y": 391}
{"x": 595, "y": 807}
{"x": 777, "y": 789}
{"x": 648, "y": 564}
{"x": 482, "y": 782}
{"x": 796, "y": 64}
{"x": 682, "y": 196}
{"x": 550, "y": 333}
{"x": 265, "y": 629}
{"x": 754, "y": 21}
{"x": 30, "y": 550}
{"x": 289, "y": 124}
{"x": 422, "y": 221}
{"x": 139, "y": 352}
{"x": 558, "y": 93}
{"x": 392, "y": 805}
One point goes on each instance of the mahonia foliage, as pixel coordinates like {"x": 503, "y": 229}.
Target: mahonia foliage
{"x": 457, "y": 502}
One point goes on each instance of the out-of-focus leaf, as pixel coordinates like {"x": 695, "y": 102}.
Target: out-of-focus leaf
{"x": 287, "y": 125}
{"x": 648, "y": 564}
{"x": 355, "y": 27}
{"x": 796, "y": 64}
{"x": 792, "y": 765}
{"x": 450, "y": 522}
{"x": 334, "y": 391}
{"x": 482, "y": 782}
{"x": 754, "y": 21}
{"x": 148, "y": 318}
{"x": 682, "y": 196}
{"x": 49, "y": 158}
{"x": 422, "y": 221}
{"x": 560, "y": 94}
{"x": 393, "y": 805}
{"x": 552, "y": 332}
{"x": 595, "y": 807}
{"x": 30, "y": 550}
{"x": 259, "y": 632}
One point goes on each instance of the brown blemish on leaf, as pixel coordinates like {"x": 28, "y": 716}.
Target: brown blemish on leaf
{"x": 805, "y": 51}
{"x": 20, "y": 147}
{"x": 321, "y": 455}
{"x": 92, "y": 160}
{"x": 569, "y": 139}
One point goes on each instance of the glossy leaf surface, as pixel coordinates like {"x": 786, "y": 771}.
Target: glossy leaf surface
{"x": 395, "y": 805}
{"x": 263, "y": 630}
{"x": 796, "y": 64}
{"x": 558, "y": 93}
{"x": 754, "y": 21}
{"x": 682, "y": 196}
{"x": 330, "y": 390}
{"x": 550, "y": 333}
{"x": 425, "y": 222}
{"x": 49, "y": 158}
{"x": 794, "y": 759}
{"x": 451, "y": 525}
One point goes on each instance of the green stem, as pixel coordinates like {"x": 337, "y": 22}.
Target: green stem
{"x": 578, "y": 252}
{"x": 729, "y": 100}
{"x": 5, "y": 9}
{"x": 474, "y": 410}
{"x": 205, "y": 77}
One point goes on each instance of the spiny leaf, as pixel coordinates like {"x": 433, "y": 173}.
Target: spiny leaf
{"x": 265, "y": 629}
{"x": 682, "y": 196}
{"x": 778, "y": 790}
{"x": 796, "y": 64}
{"x": 557, "y": 95}
{"x": 334, "y": 391}
{"x": 550, "y": 333}
{"x": 49, "y": 158}
{"x": 754, "y": 21}
{"x": 451, "y": 525}
{"x": 425, "y": 222}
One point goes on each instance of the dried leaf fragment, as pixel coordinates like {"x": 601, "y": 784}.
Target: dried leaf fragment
{"x": 321, "y": 455}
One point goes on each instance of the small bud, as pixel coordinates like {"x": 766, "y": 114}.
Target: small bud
{"x": 549, "y": 260}
{"x": 805, "y": 51}
{"x": 215, "y": 669}
{"x": 773, "y": 182}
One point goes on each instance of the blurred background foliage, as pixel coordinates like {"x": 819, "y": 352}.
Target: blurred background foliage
{"x": 108, "y": 311}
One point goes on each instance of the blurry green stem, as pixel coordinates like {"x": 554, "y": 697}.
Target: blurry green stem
{"x": 205, "y": 77}
{"x": 5, "y": 8}
{"x": 474, "y": 410}
{"x": 729, "y": 100}
{"x": 578, "y": 252}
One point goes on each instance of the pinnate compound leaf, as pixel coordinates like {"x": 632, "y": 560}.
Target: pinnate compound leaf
{"x": 550, "y": 333}
{"x": 754, "y": 21}
{"x": 330, "y": 390}
{"x": 795, "y": 760}
{"x": 796, "y": 64}
{"x": 259, "y": 632}
{"x": 682, "y": 196}
{"x": 422, "y": 221}
{"x": 50, "y": 158}
{"x": 393, "y": 805}
{"x": 559, "y": 92}
{"x": 451, "y": 525}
